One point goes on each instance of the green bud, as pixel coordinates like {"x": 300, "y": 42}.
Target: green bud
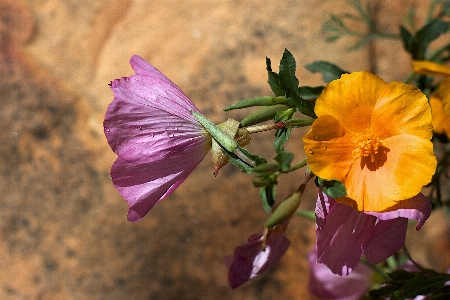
{"x": 259, "y": 101}
{"x": 284, "y": 211}
{"x": 261, "y": 182}
{"x": 221, "y": 137}
{"x": 299, "y": 122}
{"x": 262, "y": 115}
{"x": 266, "y": 168}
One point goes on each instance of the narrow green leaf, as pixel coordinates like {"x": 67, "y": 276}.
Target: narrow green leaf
{"x": 267, "y": 195}
{"x": 258, "y": 101}
{"x": 274, "y": 80}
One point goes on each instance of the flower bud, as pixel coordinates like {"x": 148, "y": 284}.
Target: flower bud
{"x": 284, "y": 211}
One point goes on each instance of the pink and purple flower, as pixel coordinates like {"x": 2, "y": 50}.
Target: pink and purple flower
{"x": 158, "y": 141}
{"x": 343, "y": 234}
{"x": 254, "y": 258}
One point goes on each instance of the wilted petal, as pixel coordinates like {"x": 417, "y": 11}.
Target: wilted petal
{"x": 325, "y": 284}
{"x": 249, "y": 260}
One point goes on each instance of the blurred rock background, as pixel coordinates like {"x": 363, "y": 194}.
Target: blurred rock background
{"x": 63, "y": 227}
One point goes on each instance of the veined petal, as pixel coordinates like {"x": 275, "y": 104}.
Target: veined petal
{"x": 145, "y": 184}
{"x": 150, "y": 126}
{"x": 401, "y": 109}
{"x": 139, "y": 133}
{"x": 329, "y": 149}
{"x": 351, "y": 99}
{"x": 388, "y": 237}
{"x": 339, "y": 241}
{"x": 427, "y": 67}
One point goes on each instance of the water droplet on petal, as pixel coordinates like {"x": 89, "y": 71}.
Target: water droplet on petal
{"x": 106, "y": 129}
{"x": 140, "y": 128}
{"x": 311, "y": 152}
{"x": 396, "y": 192}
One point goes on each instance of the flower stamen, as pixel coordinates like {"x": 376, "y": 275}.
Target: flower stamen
{"x": 367, "y": 145}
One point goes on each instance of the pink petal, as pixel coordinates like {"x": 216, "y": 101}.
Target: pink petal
{"x": 416, "y": 208}
{"x": 339, "y": 241}
{"x": 143, "y": 185}
{"x": 150, "y": 126}
{"x": 249, "y": 260}
{"x": 388, "y": 238}
{"x": 325, "y": 284}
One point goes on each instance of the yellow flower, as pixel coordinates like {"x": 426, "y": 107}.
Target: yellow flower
{"x": 373, "y": 137}
{"x": 440, "y": 101}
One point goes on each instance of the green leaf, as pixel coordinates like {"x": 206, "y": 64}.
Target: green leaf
{"x": 422, "y": 284}
{"x": 329, "y": 71}
{"x": 284, "y": 159}
{"x": 332, "y": 188}
{"x": 267, "y": 195}
{"x": 287, "y": 76}
{"x": 425, "y": 36}
{"x": 310, "y": 93}
{"x": 274, "y": 80}
{"x": 282, "y": 135}
{"x": 407, "y": 38}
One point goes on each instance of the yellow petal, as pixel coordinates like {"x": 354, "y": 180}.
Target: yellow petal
{"x": 351, "y": 100}
{"x": 440, "y": 119}
{"x": 443, "y": 93}
{"x": 408, "y": 166}
{"x": 329, "y": 149}
{"x": 402, "y": 109}
{"x": 426, "y": 67}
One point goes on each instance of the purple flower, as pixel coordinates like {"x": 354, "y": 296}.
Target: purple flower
{"x": 158, "y": 141}
{"x": 250, "y": 259}
{"x": 343, "y": 234}
{"x": 325, "y": 284}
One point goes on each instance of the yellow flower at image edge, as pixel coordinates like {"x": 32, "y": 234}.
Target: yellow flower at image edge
{"x": 440, "y": 108}
{"x": 440, "y": 100}
{"x": 373, "y": 137}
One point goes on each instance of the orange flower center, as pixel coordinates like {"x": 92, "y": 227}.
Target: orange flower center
{"x": 366, "y": 145}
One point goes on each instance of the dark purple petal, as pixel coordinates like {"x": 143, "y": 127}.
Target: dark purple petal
{"x": 343, "y": 233}
{"x": 325, "y": 284}
{"x": 249, "y": 260}
{"x": 388, "y": 238}
{"x": 416, "y": 208}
